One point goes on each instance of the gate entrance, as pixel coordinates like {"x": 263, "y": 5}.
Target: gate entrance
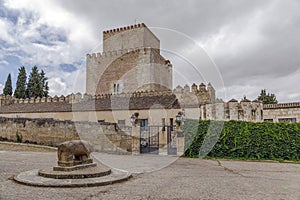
{"x": 149, "y": 139}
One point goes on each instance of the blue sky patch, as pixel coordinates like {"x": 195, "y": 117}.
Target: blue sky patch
{"x": 67, "y": 67}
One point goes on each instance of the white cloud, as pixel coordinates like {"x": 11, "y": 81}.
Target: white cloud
{"x": 255, "y": 44}
{"x": 243, "y": 34}
{"x": 70, "y": 82}
{"x": 48, "y": 35}
{"x": 5, "y": 28}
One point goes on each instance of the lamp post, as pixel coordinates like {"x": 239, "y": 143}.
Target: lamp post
{"x": 179, "y": 121}
{"x": 134, "y": 119}
{"x": 136, "y": 133}
{"x": 179, "y": 133}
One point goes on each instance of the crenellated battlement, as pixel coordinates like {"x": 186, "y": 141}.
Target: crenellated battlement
{"x": 117, "y": 53}
{"x": 79, "y": 97}
{"x": 194, "y": 94}
{"x": 282, "y": 105}
{"x": 8, "y": 100}
{"x": 117, "y": 30}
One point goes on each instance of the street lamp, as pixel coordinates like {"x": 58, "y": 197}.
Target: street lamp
{"x": 134, "y": 119}
{"x": 179, "y": 118}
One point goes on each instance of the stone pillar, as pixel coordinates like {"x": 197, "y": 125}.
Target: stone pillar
{"x": 163, "y": 146}
{"x": 179, "y": 141}
{"x": 136, "y": 140}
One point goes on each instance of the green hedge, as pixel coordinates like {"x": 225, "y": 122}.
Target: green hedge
{"x": 239, "y": 139}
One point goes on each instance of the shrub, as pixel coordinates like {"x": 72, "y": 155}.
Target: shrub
{"x": 19, "y": 137}
{"x": 240, "y": 139}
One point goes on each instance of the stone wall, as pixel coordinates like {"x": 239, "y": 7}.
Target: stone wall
{"x": 137, "y": 70}
{"x": 244, "y": 110}
{"x": 234, "y": 110}
{"x": 195, "y": 95}
{"x": 282, "y": 112}
{"x": 105, "y": 137}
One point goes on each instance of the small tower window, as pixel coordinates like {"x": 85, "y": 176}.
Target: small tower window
{"x": 117, "y": 89}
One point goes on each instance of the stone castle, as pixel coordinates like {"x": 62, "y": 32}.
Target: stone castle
{"x": 130, "y": 62}
{"x": 130, "y": 76}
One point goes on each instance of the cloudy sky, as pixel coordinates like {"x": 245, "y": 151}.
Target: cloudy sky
{"x": 244, "y": 46}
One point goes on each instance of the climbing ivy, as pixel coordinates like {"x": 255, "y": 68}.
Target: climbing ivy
{"x": 242, "y": 140}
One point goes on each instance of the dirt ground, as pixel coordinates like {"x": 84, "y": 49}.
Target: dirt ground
{"x": 183, "y": 179}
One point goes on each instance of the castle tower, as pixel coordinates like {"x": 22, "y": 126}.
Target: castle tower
{"x": 211, "y": 92}
{"x": 130, "y": 61}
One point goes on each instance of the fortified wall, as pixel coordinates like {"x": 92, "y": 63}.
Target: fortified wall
{"x": 245, "y": 110}
{"x": 104, "y": 137}
{"x": 6, "y": 100}
{"x": 195, "y": 95}
{"x": 105, "y": 107}
{"x": 198, "y": 102}
{"x": 288, "y": 112}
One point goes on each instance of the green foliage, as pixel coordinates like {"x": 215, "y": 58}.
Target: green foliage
{"x": 267, "y": 98}
{"x": 20, "y": 91}
{"x": 8, "y": 86}
{"x": 45, "y": 87}
{"x": 240, "y": 139}
{"x": 37, "y": 85}
{"x": 19, "y": 137}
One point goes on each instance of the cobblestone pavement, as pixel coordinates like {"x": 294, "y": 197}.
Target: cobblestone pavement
{"x": 183, "y": 179}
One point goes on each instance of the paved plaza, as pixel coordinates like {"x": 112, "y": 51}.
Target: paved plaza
{"x": 156, "y": 177}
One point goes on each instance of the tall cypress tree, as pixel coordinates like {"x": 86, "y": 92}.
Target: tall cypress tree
{"x": 33, "y": 85}
{"x": 37, "y": 85}
{"x": 44, "y": 84}
{"x": 20, "y": 91}
{"x": 8, "y": 88}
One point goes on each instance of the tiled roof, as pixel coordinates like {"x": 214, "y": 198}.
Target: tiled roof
{"x": 36, "y": 107}
{"x": 113, "y": 103}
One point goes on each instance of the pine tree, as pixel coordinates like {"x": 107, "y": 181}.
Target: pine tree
{"x": 44, "y": 84}
{"x": 46, "y": 90}
{"x": 20, "y": 91}
{"x": 37, "y": 85}
{"x": 8, "y": 86}
{"x": 33, "y": 85}
{"x": 267, "y": 98}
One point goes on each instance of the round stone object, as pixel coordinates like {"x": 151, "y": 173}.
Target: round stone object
{"x": 91, "y": 172}
{"x": 32, "y": 178}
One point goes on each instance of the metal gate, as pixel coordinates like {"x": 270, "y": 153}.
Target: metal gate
{"x": 149, "y": 140}
{"x": 171, "y": 140}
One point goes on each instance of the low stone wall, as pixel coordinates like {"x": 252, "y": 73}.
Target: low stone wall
{"x": 105, "y": 137}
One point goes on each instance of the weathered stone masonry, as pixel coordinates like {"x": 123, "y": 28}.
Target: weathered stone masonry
{"x": 105, "y": 137}
{"x": 130, "y": 62}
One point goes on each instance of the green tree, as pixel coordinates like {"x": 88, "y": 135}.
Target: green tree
{"x": 267, "y": 98}
{"x": 8, "y": 86}
{"x": 32, "y": 89}
{"x": 20, "y": 91}
{"x": 44, "y": 82}
{"x": 37, "y": 85}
